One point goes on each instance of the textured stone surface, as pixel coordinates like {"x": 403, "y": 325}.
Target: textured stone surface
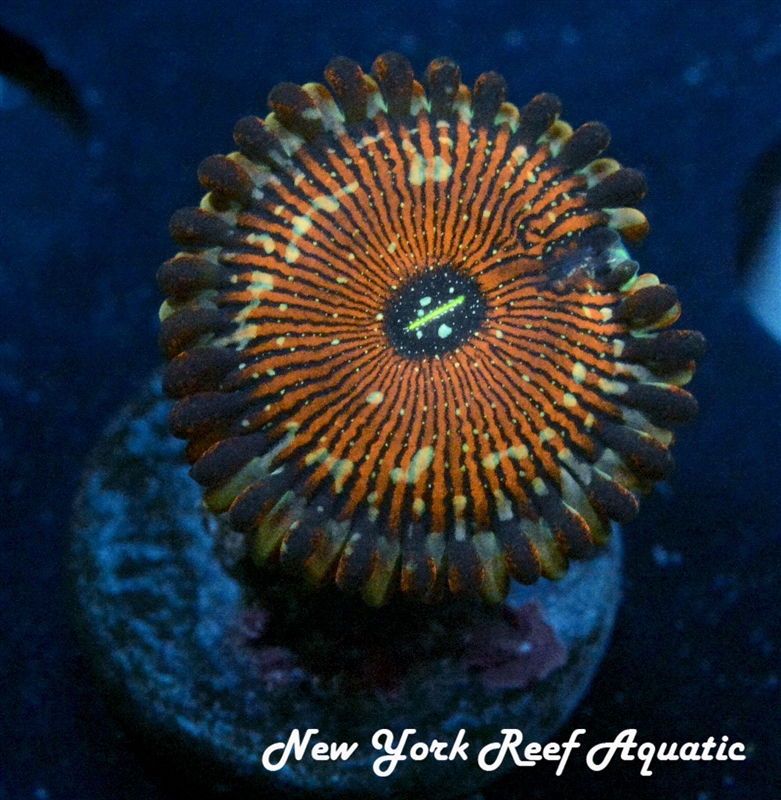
{"x": 212, "y": 671}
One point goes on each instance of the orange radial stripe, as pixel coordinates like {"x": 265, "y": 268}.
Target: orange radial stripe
{"x": 372, "y": 472}
{"x": 491, "y": 440}
{"x": 478, "y": 483}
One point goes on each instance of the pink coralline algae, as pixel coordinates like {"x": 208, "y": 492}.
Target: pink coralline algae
{"x": 515, "y": 650}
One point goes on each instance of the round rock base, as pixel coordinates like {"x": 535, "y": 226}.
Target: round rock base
{"x": 214, "y": 661}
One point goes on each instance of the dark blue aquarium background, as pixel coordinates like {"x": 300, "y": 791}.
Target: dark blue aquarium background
{"x": 691, "y": 91}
